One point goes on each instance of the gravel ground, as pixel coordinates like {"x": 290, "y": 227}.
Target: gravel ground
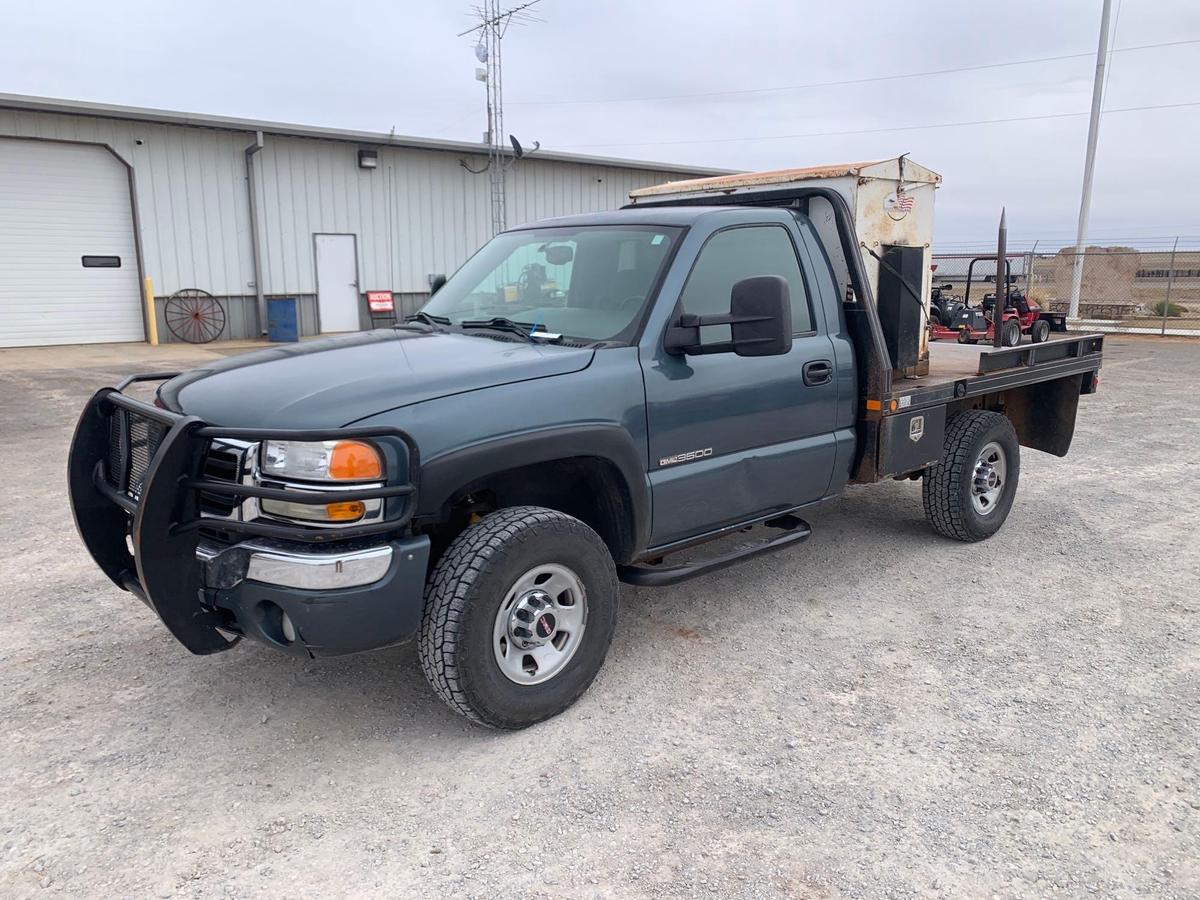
{"x": 878, "y": 713}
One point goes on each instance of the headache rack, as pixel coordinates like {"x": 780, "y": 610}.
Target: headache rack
{"x": 140, "y": 471}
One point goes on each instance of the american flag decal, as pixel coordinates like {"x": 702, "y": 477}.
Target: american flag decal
{"x": 898, "y": 205}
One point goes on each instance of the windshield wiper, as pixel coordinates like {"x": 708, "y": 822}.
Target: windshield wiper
{"x": 434, "y": 321}
{"x": 524, "y": 329}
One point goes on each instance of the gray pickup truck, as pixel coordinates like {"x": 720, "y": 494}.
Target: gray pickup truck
{"x": 585, "y": 397}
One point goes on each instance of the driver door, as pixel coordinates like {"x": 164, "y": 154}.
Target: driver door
{"x": 734, "y": 437}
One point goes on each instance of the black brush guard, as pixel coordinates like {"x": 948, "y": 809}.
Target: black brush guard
{"x": 159, "y": 508}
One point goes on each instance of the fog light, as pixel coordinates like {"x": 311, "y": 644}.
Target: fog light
{"x": 287, "y": 627}
{"x": 343, "y": 511}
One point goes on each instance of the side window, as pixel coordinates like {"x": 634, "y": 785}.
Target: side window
{"x": 737, "y": 253}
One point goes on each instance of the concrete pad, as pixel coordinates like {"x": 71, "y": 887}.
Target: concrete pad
{"x": 103, "y": 356}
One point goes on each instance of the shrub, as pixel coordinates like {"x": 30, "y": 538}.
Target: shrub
{"x": 1174, "y": 310}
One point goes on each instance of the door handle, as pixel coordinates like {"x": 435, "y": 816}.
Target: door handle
{"x": 819, "y": 371}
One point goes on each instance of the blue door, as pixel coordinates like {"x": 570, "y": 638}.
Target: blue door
{"x": 733, "y": 437}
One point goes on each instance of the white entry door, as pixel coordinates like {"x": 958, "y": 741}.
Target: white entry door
{"x": 337, "y": 282}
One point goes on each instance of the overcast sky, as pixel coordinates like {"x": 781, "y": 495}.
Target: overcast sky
{"x": 369, "y": 64}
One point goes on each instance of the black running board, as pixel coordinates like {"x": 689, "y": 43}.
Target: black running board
{"x": 795, "y": 531}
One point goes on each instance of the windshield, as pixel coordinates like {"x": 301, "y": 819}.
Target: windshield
{"x": 589, "y": 283}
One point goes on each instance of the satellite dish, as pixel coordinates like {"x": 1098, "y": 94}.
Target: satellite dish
{"x": 481, "y": 53}
{"x": 519, "y": 151}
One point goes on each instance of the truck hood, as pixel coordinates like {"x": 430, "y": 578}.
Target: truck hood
{"x": 335, "y": 381}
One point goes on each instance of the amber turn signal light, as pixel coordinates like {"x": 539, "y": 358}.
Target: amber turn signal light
{"x": 347, "y": 511}
{"x": 354, "y": 461}
{"x": 341, "y": 511}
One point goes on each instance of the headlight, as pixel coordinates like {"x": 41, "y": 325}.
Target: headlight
{"x": 322, "y": 460}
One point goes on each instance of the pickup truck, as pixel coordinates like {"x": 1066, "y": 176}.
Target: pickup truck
{"x": 584, "y": 398}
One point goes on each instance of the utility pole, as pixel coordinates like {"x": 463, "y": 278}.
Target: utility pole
{"x": 493, "y": 23}
{"x": 1029, "y": 268}
{"x": 1001, "y": 306}
{"x": 1170, "y": 282}
{"x": 1085, "y": 202}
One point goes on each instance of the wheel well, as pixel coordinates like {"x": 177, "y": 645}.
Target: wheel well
{"x": 1043, "y": 414}
{"x": 587, "y": 487}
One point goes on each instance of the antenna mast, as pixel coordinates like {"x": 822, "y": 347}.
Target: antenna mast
{"x": 493, "y": 23}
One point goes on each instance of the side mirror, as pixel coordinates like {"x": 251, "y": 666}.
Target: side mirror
{"x": 436, "y": 283}
{"x": 760, "y": 322}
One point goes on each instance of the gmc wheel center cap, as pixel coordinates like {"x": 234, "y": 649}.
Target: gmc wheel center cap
{"x": 532, "y": 622}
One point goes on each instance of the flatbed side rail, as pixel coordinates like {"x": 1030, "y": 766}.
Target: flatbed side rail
{"x": 1035, "y": 354}
{"x": 1001, "y": 370}
{"x": 136, "y": 474}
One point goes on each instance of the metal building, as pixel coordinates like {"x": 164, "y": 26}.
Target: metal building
{"x": 94, "y": 199}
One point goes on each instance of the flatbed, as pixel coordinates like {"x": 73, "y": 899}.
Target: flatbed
{"x": 962, "y": 370}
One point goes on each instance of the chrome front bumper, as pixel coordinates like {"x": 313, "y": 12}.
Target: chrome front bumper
{"x": 318, "y": 601}
{"x": 316, "y": 570}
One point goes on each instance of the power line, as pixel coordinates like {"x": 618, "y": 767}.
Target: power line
{"x": 823, "y": 84}
{"x": 810, "y": 134}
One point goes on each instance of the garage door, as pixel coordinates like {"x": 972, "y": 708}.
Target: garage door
{"x": 68, "y": 263}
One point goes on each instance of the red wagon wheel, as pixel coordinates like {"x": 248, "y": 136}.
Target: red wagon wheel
{"x": 194, "y": 316}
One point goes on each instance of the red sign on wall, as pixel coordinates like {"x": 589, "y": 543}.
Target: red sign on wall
{"x": 380, "y": 302}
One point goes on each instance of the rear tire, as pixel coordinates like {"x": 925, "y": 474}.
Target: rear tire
{"x": 968, "y": 493}
{"x": 1039, "y": 331}
{"x": 1010, "y": 334}
{"x": 515, "y": 567}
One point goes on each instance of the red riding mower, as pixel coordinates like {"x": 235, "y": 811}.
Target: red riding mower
{"x": 970, "y": 325}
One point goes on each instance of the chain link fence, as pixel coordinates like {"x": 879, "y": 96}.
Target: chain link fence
{"x": 1155, "y": 291}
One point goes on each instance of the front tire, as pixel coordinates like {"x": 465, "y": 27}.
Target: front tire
{"x": 519, "y": 614}
{"x": 1039, "y": 331}
{"x": 968, "y": 493}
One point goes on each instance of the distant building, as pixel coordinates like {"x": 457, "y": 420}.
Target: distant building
{"x": 1118, "y": 282}
{"x": 95, "y": 198}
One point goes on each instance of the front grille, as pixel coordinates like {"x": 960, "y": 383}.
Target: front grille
{"x": 132, "y": 442}
{"x": 220, "y": 464}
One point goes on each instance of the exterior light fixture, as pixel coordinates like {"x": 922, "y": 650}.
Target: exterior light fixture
{"x": 368, "y": 159}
